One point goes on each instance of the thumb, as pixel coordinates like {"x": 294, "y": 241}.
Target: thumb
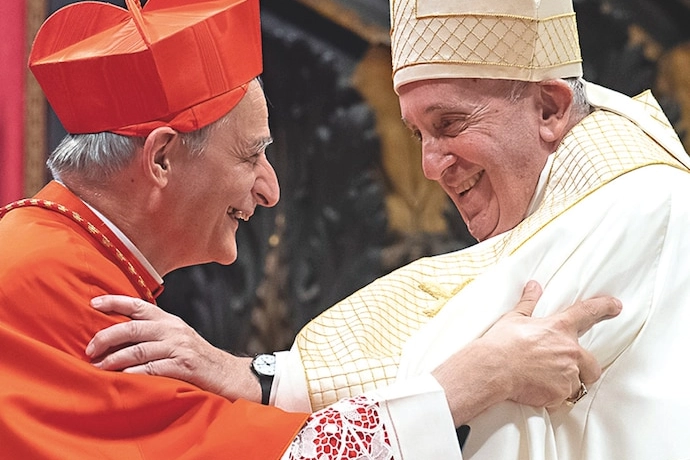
{"x": 530, "y": 295}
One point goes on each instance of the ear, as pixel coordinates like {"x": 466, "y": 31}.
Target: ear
{"x": 556, "y": 99}
{"x": 157, "y": 151}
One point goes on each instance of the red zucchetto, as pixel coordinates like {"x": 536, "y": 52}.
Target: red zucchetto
{"x": 177, "y": 63}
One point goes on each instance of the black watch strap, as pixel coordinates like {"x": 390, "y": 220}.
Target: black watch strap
{"x": 266, "y": 382}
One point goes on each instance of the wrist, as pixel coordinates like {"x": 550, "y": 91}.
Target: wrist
{"x": 473, "y": 380}
{"x": 239, "y": 382}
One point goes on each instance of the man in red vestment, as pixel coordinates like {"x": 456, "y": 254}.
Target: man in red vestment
{"x": 166, "y": 155}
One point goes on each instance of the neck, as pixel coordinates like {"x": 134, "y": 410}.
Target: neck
{"x": 133, "y": 212}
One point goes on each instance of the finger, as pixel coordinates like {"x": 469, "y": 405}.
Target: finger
{"x": 143, "y": 369}
{"x": 132, "y": 356}
{"x": 164, "y": 367}
{"x": 590, "y": 370}
{"x": 107, "y": 338}
{"x": 133, "y": 307}
{"x": 586, "y": 313}
{"x": 530, "y": 295}
{"x": 120, "y": 334}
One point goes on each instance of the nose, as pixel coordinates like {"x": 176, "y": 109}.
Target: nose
{"x": 434, "y": 160}
{"x": 266, "y": 189}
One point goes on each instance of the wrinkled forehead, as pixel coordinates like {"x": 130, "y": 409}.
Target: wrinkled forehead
{"x": 245, "y": 127}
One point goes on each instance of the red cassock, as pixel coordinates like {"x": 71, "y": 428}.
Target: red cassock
{"x": 53, "y": 402}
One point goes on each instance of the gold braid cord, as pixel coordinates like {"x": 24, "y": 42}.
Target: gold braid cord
{"x": 125, "y": 264}
{"x": 355, "y": 346}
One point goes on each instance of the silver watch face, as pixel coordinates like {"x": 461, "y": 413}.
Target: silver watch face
{"x": 265, "y": 364}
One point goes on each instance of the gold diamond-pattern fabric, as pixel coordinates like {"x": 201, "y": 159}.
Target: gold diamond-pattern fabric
{"x": 355, "y": 346}
{"x": 457, "y": 43}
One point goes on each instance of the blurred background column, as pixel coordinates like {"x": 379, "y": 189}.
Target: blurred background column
{"x": 23, "y": 142}
{"x": 12, "y": 57}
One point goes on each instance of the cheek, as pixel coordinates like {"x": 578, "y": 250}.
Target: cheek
{"x": 516, "y": 164}
{"x": 514, "y": 197}
{"x": 512, "y": 187}
{"x": 241, "y": 186}
{"x": 236, "y": 182}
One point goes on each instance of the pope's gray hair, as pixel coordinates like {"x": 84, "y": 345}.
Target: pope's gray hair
{"x": 96, "y": 157}
{"x": 580, "y": 107}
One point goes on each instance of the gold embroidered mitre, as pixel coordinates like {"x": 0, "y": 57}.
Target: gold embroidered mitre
{"x": 528, "y": 40}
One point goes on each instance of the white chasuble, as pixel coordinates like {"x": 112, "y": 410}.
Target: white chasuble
{"x": 612, "y": 221}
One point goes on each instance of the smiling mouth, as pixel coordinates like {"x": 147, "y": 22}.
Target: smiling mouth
{"x": 468, "y": 184}
{"x": 239, "y": 215}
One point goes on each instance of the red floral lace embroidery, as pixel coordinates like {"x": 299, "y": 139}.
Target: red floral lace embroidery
{"x": 351, "y": 428}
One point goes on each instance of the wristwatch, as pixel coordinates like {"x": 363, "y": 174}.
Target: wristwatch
{"x": 264, "y": 367}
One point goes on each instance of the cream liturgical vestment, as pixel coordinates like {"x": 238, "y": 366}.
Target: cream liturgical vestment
{"x": 613, "y": 218}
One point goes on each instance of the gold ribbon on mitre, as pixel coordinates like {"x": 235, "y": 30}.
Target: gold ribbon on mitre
{"x": 528, "y": 40}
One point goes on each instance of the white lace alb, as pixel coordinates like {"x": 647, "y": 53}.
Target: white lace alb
{"x": 348, "y": 429}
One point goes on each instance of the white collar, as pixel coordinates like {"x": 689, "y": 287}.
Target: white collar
{"x": 128, "y": 243}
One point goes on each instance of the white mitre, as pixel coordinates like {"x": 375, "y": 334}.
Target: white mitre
{"x": 529, "y": 40}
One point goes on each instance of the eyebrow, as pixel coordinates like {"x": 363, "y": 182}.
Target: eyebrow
{"x": 261, "y": 144}
{"x": 432, "y": 108}
{"x": 440, "y": 107}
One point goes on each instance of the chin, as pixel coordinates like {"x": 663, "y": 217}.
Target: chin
{"x": 229, "y": 257}
{"x": 229, "y": 260}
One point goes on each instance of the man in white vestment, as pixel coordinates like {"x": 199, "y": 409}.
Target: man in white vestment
{"x": 578, "y": 187}
{"x": 606, "y": 213}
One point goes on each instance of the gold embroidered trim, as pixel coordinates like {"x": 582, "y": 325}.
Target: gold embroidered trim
{"x": 127, "y": 267}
